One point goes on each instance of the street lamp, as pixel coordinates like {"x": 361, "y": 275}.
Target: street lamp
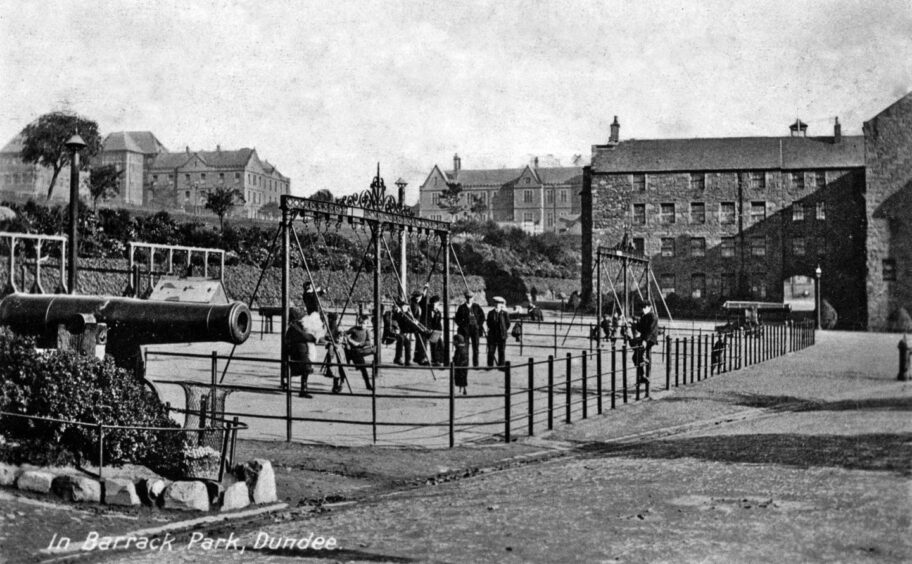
{"x": 75, "y": 144}
{"x": 401, "y": 184}
{"x": 817, "y": 274}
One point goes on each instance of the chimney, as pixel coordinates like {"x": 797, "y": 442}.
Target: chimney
{"x": 457, "y": 164}
{"x": 218, "y": 148}
{"x": 615, "y": 131}
{"x": 188, "y": 149}
{"x": 535, "y": 163}
{"x": 837, "y": 131}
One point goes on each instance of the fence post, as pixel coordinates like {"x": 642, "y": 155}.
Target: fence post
{"x": 691, "y": 349}
{"x": 613, "y": 375}
{"x": 213, "y": 385}
{"x": 637, "y": 368}
{"x": 452, "y": 405}
{"x": 507, "y": 400}
{"x": 101, "y": 453}
{"x": 550, "y": 392}
{"x": 667, "y": 353}
{"x": 699, "y": 356}
{"x": 554, "y": 324}
{"x": 624, "y": 371}
{"x": 707, "y": 351}
{"x": 234, "y": 428}
{"x": 531, "y": 397}
{"x": 584, "y": 358}
{"x": 569, "y": 362}
{"x": 677, "y": 362}
{"x": 598, "y": 378}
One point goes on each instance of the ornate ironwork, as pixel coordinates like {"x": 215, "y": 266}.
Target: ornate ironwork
{"x": 376, "y": 198}
{"x": 332, "y": 211}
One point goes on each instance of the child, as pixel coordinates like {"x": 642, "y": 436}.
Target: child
{"x": 461, "y": 362}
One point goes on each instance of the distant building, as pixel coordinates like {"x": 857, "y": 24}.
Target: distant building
{"x": 888, "y": 199}
{"x": 532, "y": 198}
{"x": 131, "y": 152}
{"x": 20, "y": 182}
{"x": 735, "y": 217}
{"x": 181, "y": 180}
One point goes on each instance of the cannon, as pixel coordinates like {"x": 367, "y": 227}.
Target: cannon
{"x": 120, "y": 326}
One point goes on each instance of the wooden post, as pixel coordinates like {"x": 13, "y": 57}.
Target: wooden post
{"x": 598, "y": 378}
{"x": 531, "y": 407}
{"x": 507, "y": 400}
{"x": 569, "y": 363}
{"x": 550, "y": 392}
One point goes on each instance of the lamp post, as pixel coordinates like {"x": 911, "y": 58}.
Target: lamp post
{"x": 817, "y": 273}
{"x": 401, "y": 184}
{"x": 75, "y": 144}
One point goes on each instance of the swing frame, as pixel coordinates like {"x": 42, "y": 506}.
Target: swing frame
{"x": 612, "y": 255}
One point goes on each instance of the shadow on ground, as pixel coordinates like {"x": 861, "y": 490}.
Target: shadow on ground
{"x": 876, "y": 452}
{"x": 795, "y": 404}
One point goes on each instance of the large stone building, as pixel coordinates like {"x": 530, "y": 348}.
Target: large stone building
{"x": 181, "y": 180}
{"x": 536, "y": 199}
{"x": 20, "y": 182}
{"x": 735, "y": 217}
{"x": 888, "y": 162}
{"x": 132, "y": 152}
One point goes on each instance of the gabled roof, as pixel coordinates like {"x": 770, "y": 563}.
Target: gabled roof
{"x": 170, "y": 160}
{"x": 560, "y": 175}
{"x": 143, "y": 142}
{"x": 489, "y": 177}
{"x": 728, "y": 153}
{"x": 14, "y": 145}
{"x": 214, "y": 159}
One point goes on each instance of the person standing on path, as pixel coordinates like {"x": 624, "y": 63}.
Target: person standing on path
{"x": 470, "y": 320}
{"x": 460, "y": 363}
{"x": 647, "y": 329}
{"x": 498, "y": 331}
{"x": 297, "y": 340}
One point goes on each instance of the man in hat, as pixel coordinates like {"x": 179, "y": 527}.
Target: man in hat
{"x": 297, "y": 341}
{"x": 310, "y": 299}
{"x": 418, "y": 308}
{"x": 470, "y": 320}
{"x": 647, "y": 331}
{"x": 401, "y": 316}
{"x": 498, "y": 331}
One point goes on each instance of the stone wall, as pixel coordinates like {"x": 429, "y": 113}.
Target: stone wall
{"x": 888, "y": 156}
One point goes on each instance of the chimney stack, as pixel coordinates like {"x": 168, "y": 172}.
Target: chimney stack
{"x": 535, "y": 163}
{"x": 188, "y": 149}
{"x": 218, "y": 148}
{"x": 615, "y": 131}
{"x": 799, "y": 128}
{"x": 837, "y": 131}
{"x": 457, "y": 163}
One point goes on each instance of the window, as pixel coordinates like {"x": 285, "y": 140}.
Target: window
{"x": 639, "y": 245}
{"x": 728, "y": 284}
{"x": 758, "y": 180}
{"x": 170, "y": 177}
{"x": 202, "y": 176}
{"x": 639, "y": 214}
{"x": 758, "y": 246}
{"x": 697, "y": 247}
{"x": 528, "y": 217}
{"x": 697, "y": 212}
{"x": 821, "y": 210}
{"x": 667, "y": 281}
{"x": 668, "y": 247}
{"x": 187, "y": 195}
{"x": 549, "y": 197}
{"x": 798, "y": 246}
{"x": 797, "y": 211}
{"x": 697, "y": 285}
{"x": 435, "y": 198}
{"x": 889, "y": 270}
{"x": 728, "y": 247}
{"x": 727, "y": 213}
{"x": 527, "y": 196}
{"x": 563, "y": 196}
{"x": 697, "y": 181}
{"x": 821, "y": 246}
{"x": 154, "y": 178}
{"x": 187, "y": 177}
{"x": 758, "y": 285}
{"x": 237, "y": 176}
{"x": 222, "y": 176}
{"x": 820, "y": 178}
{"x": 527, "y": 180}
{"x": 667, "y": 214}
{"x": 758, "y": 212}
{"x": 798, "y": 180}
{"x": 550, "y": 219}
{"x": 639, "y": 182}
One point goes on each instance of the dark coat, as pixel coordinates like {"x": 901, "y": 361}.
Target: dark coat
{"x": 648, "y": 328}
{"x": 296, "y": 342}
{"x": 467, "y": 318}
{"x": 311, "y": 302}
{"x": 498, "y": 325}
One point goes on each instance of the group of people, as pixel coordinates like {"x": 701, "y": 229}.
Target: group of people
{"x": 642, "y": 333}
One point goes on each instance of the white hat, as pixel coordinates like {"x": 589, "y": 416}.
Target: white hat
{"x": 499, "y": 299}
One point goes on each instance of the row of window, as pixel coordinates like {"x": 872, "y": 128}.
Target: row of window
{"x": 727, "y": 212}
{"x": 252, "y": 179}
{"x": 757, "y": 245}
{"x": 755, "y": 180}
{"x": 726, "y": 282}
{"x": 16, "y": 178}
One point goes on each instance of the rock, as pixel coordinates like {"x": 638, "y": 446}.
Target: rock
{"x": 120, "y": 492}
{"x": 150, "y": 491}
{"x": 187, "y": 496}
{"x": 77, "y": 488}
{"x": 260, "y": 479}
{"x": 215, "y": 490}
{"x": 237, "y": 496}
{"x": 35, "y": 481}
{"x": 8, "y": 474}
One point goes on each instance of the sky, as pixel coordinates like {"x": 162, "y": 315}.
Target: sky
{"x": 325, "y": 90}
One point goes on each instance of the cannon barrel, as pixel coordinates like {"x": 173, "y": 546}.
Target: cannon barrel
{"x": 129, "y": 320}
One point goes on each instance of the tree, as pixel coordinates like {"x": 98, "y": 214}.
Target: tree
{"x": 479, "y": 208}
{"x": 323, "y": 195}
{"x": 452, "y": 201}
{"x": 103, "y": 183}
{"x": 44, "y": 142}
{"x": 221, "y": 200}
{"x": 270, "y": 210}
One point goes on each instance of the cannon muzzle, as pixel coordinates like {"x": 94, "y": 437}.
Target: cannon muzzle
{"x": 129, "y": 320}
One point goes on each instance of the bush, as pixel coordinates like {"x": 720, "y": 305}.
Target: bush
{"x": 828, "y": 316}
{"x": 78, "y": 388}
{"x": 899, "y": 321}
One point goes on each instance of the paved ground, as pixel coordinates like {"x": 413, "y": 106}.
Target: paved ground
{"x": 804, "y": 458}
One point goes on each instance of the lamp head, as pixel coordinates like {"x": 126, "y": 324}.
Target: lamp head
{"x": 75, "y": 143}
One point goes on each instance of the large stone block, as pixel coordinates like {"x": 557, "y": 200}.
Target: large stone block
{"x": 187, "y": 496}
{"x": 150, "y": 491}
{"x": 8, "y": 474}
{"x": 237, "y": 496}
{"x": 35, "y": 481}
{"x": 120, "y": 492}
{"x": 260, "y": 479}
{"x": 77, "y": 488}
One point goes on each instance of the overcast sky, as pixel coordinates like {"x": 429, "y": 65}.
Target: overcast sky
{"x": 326, "y": 89}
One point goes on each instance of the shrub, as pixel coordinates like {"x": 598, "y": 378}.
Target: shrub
{"x": 899, "y": 321}
{"x": 78, "y": 388}
{"x": 828, "y": 316}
